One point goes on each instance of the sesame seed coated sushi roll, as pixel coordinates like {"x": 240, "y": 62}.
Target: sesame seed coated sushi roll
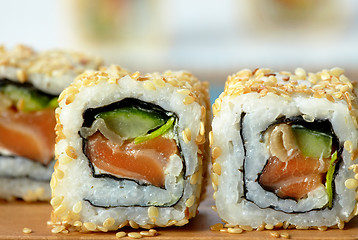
{"x": 289, "y": 158}
{"x": 131, "y": 150}
{"x": 30, "y": 83}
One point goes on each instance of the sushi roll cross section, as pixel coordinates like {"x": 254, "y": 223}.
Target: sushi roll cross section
{"x": 289, "y": 157}
{"x": 131, "y": 150}
{"x": 30, "y": 83}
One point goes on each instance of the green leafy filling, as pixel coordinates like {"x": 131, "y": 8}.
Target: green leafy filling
{"x": 27, "y": 100}
{"x": 160, "y": 131}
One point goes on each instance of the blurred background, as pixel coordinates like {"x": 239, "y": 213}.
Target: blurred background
{"x": 210, "y": 38}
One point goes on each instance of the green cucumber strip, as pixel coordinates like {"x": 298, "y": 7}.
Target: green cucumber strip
{"x": 160, "y": 131}
{"x": 312, "y": 143}
{"x": 329, "y": 178}
{"x": 131, "y": 122}
{"x": 32, "y": 101}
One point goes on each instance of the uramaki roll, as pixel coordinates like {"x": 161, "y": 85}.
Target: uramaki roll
{"x": 131, "y": 150}
{"x": 30, "y": 83}
{"x": 287, "y": 156}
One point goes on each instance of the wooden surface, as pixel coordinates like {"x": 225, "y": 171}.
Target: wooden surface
{"x": 15, "y": 216}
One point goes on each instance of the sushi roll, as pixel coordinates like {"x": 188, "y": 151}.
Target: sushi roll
{"x": 287, "y": 156}
{"x": 131, "y": 150}
{"x": 30, "y": 83}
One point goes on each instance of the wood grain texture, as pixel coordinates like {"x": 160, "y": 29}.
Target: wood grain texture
{"x": 15, "y": 216}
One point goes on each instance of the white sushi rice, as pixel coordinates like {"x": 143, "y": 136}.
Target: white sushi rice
{"x": 78, "y": 182}
{"x": 259, "y": 206}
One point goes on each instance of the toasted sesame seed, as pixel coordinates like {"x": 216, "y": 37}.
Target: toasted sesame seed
{"x": 146, "y": 234}
{"x": 153, "y": 231}
{"x": 103, "y": 229}
{"x": 225, "y": 230}
{"x": 261, "y": 227}
{"x": 133, "y": 224}
{"x": 153, "y": 212}
{"x": 56, "y": 201}
{"x": 194, "y": 178}
{"x": 211, "y": 138}
{"x": 216, "y": 227}
{"x": 58, "y": 229}
{"x": 71, "y": 152}
{"x": 216, "y": 152}
{"x": 215, "y": 186}
{"x": 341, "y": 224}
{"x": 21, "y": 75}
{"x": 109, "y": 222}
{"x": 190, "y": 201}
{"x": 269, "y": 226}
{"x": 123, "y": 224}
{"x": 90, "y": 226}
{"x": 65, "y": 160}
{"x": 159, "y": 82}
{"x": 217, "y": 168}
{"x": 188, "y": 100}
{"x": 275, "y": 234}
{"x": 59, "y": 173}
{"x": 348, "y": 145}
{"x": 149, "y": 85}
{"x": 120, "y": 234}
{"x": 285, "y": 235}
{"x": 27, "y": 230}
{"x": 183, "y": 91}
{"x": 135, "y": 75}
{"x": 77, "y": 224}
{"x": 77, "y": 207}
{"x": 187, "y": 134}
{"x": 60, "y": 209}
{"x": 202, "y": 128}
{"x": 322, "y": 228}
{"x": 246, "y": 228}
{"x": 235, "y": 230}
{"x": 215, "y": 178}
{"x": 182, "y": 222}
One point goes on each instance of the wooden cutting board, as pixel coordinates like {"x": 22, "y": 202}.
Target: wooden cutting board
{"x": 14, "y": 216}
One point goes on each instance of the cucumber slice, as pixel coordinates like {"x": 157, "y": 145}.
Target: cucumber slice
{"x": 131, "y": 122}
{"x": 160, "y": 131}
{"x": 29, "y": 100}
{"x": 312, "y": 143}
{"x": 329, "y": 179}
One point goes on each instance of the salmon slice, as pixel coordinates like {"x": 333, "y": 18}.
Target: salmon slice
{"x": 295, "y": 178}
{"x": 143, "y": 162}
{"x": 30, "y": 135}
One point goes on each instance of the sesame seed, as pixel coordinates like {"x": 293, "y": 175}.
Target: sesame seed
{"x": 77, "y": 207}
{"x": 215, "y": 186}
{"x": 21, "y": 75}
{"x": 125, "y": 223}
{"x": 217, "y": 168}
{"x": 60, "y": 209}
{"x": 188, "y": 100}
{"x": 59, "y": 173}
{"x": 322, "y": 228}
{"x": 159, "y": 82}
{"x": 234, "y": 230}
{"x": 27, "y": 230}
{"x": 351, "y": 183}
{"x": 58, "y": 229}
{"x": 120, "y": 234}
{"x": 216, "y": 227}
{"x": 308, "y": 118}
{"x": 215, "y": 178}
{"x": 269, "y": 226}
{"x": 133, "y": 224}
{"x": 134, "y": 235}
{"x": 183, "y": 91}
{"x": 261, "y": 227}
{"x": 336, "y": 71}
{"x": 146, "y": 234}
{"x": 103, "y": 229}
{"x": 224, "y": 230}
{"x": 211, "y": 138}
{"x": 153, "y": 212}
{"x": 77, "y": 224}
{"x": 171, "y": 222}
{"x": 246, "y": 228}
{"x": 182, "y": 222}
{"x": 348, "y": 145}
{"x": 65, "y": 160}
{"x": 216, "y": 152}
{"x": 285, "y": 235}
{"x": 53, "y": 182}
{"x": 341, "y": 224}
{"x": 153, "y": 231}
{"x": 149, "y": 85}
{"x": 275, "y": 234}
{"x": 187, "y": 135}
{"x": 194, "y": 178}
{"x": 71, "y": 152}
{"x": 135, "y": 75}
{"x": 202, "y": 128}
{"x": 109, "y": 222}
{"x": 56, "y": 201}
{"x": 190, "y": 201}
{"x": 90, "y": 226}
